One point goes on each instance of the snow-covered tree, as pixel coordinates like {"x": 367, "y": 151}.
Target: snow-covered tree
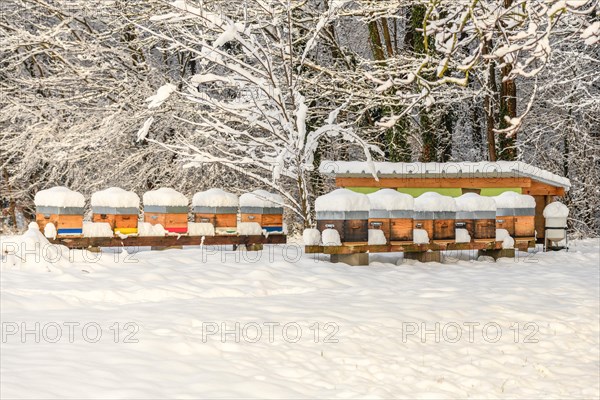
{"x": 250, "y": 111}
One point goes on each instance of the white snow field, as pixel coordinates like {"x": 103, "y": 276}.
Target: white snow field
{"x": 529, "y": 327}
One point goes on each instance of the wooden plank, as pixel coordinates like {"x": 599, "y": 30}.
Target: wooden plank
{"x": 521, "y": 244}
{"x": 440, "y": 182}
{"x": 168, "y": 241}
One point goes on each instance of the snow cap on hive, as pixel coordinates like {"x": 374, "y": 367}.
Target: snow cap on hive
{"x": 261, "y": 198}
{"x": 215, "y": 198}
{"x": 343, "y": 200}
{"x": 514, "y": 200}
{"x": 165, "y": 197}
{"x": 556, "y": 210}
{"x": 115, "y": 197}
{"x": 433, "y": 201}
{"x": 390, "y": 200}
{"x": 475, "y": 202}
{"x": 59, "y": 196}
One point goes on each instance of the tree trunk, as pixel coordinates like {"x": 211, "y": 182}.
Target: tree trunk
{"x": 488, "y": 102}
{"x": 11, "y": 199}
{"x": 386, "y": 37}
{"x": 375, "y": 40}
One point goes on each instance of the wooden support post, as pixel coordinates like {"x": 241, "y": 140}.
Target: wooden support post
{"x": 424, "y": 256}
{"x": 351, "y": 259}
{"x": 254, "y": 247}
{"x": 496, "y": 254}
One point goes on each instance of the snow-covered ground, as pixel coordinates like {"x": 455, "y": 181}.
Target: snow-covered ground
{"x": 370, "y": 322}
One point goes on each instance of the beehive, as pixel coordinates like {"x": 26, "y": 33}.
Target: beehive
{"x": 347, "y": 212}
{"x": 167, "y": 207}
{"x": 217, "y": 207}
{"x": 476, "y": 214}
{"x": 516, "y": 213}
{"x": 392, "y": 212}
{"x": 435, "y": 214}
{"x": 555, "y": 215}
{"x": 61, "y": 207}
{"x": 264, "y": 208}
{"x": 117, "y": 207}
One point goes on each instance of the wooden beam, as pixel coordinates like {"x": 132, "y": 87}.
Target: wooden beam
{"x": 169, "y": 241}
{"x": 433, "y": 182}
{"x": 543, "y": 189}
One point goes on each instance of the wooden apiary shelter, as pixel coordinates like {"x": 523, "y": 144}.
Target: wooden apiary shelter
{"x": 117, "y": 207}
{"x": 478, "y": 177}
{"x": 167, "y": 207}
{"x": 392, "y": 212}
{"x": 264, "y": 208}
{"x": 516, "y": 213}
{"x": 436, "y": 214}
{"x": 59, "y": 212}
{"x": 217, "y": 207}
{"x": 345, "y": 211}
{"x": 477, "y": 215}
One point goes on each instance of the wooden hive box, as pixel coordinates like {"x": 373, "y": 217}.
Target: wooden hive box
{"x": 392, "y": 212}
{"x": 117, "y": 207}
{"x": 168, "y": 208}
{"x": 61, "y": 207}
{"x": 436, "y": 214}
{"x": 347, "y": 212}
{"x": 516, "y": 213}
{"x": 264, "y": 208}
{"x": 217, "y": 207}
{"x": 476, "y": 214}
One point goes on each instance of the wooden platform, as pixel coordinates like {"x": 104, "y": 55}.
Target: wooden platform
{"x": 169, "y": 241}
{"x": 520, "y": 244}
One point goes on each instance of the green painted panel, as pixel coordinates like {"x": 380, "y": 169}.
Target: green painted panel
{"x": 497, "y": 191}
{"x": 453, "y": 192}
{"x": 416, "y": 192}
{"x": 365, "y": 190}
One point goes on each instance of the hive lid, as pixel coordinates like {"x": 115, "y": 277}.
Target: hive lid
{"x": 59, "y": 196}
{"x": 556, "y": 210}
{"x": 475, "y": 202}
{"x": 433, "y": 201}
{"x": 215, "y": 198}
{"x": 165, "y": 197}
{"x": 390, "y": 200}
{"x": 514, "y": 200}
{"x": 342, "y": 200}
{"x": 261, "y": 198}
{"x": 115, "y": 197}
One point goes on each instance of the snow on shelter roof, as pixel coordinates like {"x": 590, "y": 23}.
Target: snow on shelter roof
{"x": 481, "y": 169}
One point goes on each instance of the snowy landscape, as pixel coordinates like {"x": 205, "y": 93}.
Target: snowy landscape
{"x": 294, "y": 199}
{"x": 366, "y": 332}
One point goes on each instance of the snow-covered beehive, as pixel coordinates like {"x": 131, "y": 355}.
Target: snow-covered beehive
{"x": 435, "y": 214}
{"x": 392, "y": 212}
{"x": 217, "y": 207}
{"x": 264, "y": 208}
{"x": 345, "y": 211}
{"x": 167, "y": 207}
{"x": 476, "y": 214}
{"x": 556, "y": 214}
{"x": 59, "y": 211}
{"x": 515, "y": 212}
{"x": 117, "y": 207}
